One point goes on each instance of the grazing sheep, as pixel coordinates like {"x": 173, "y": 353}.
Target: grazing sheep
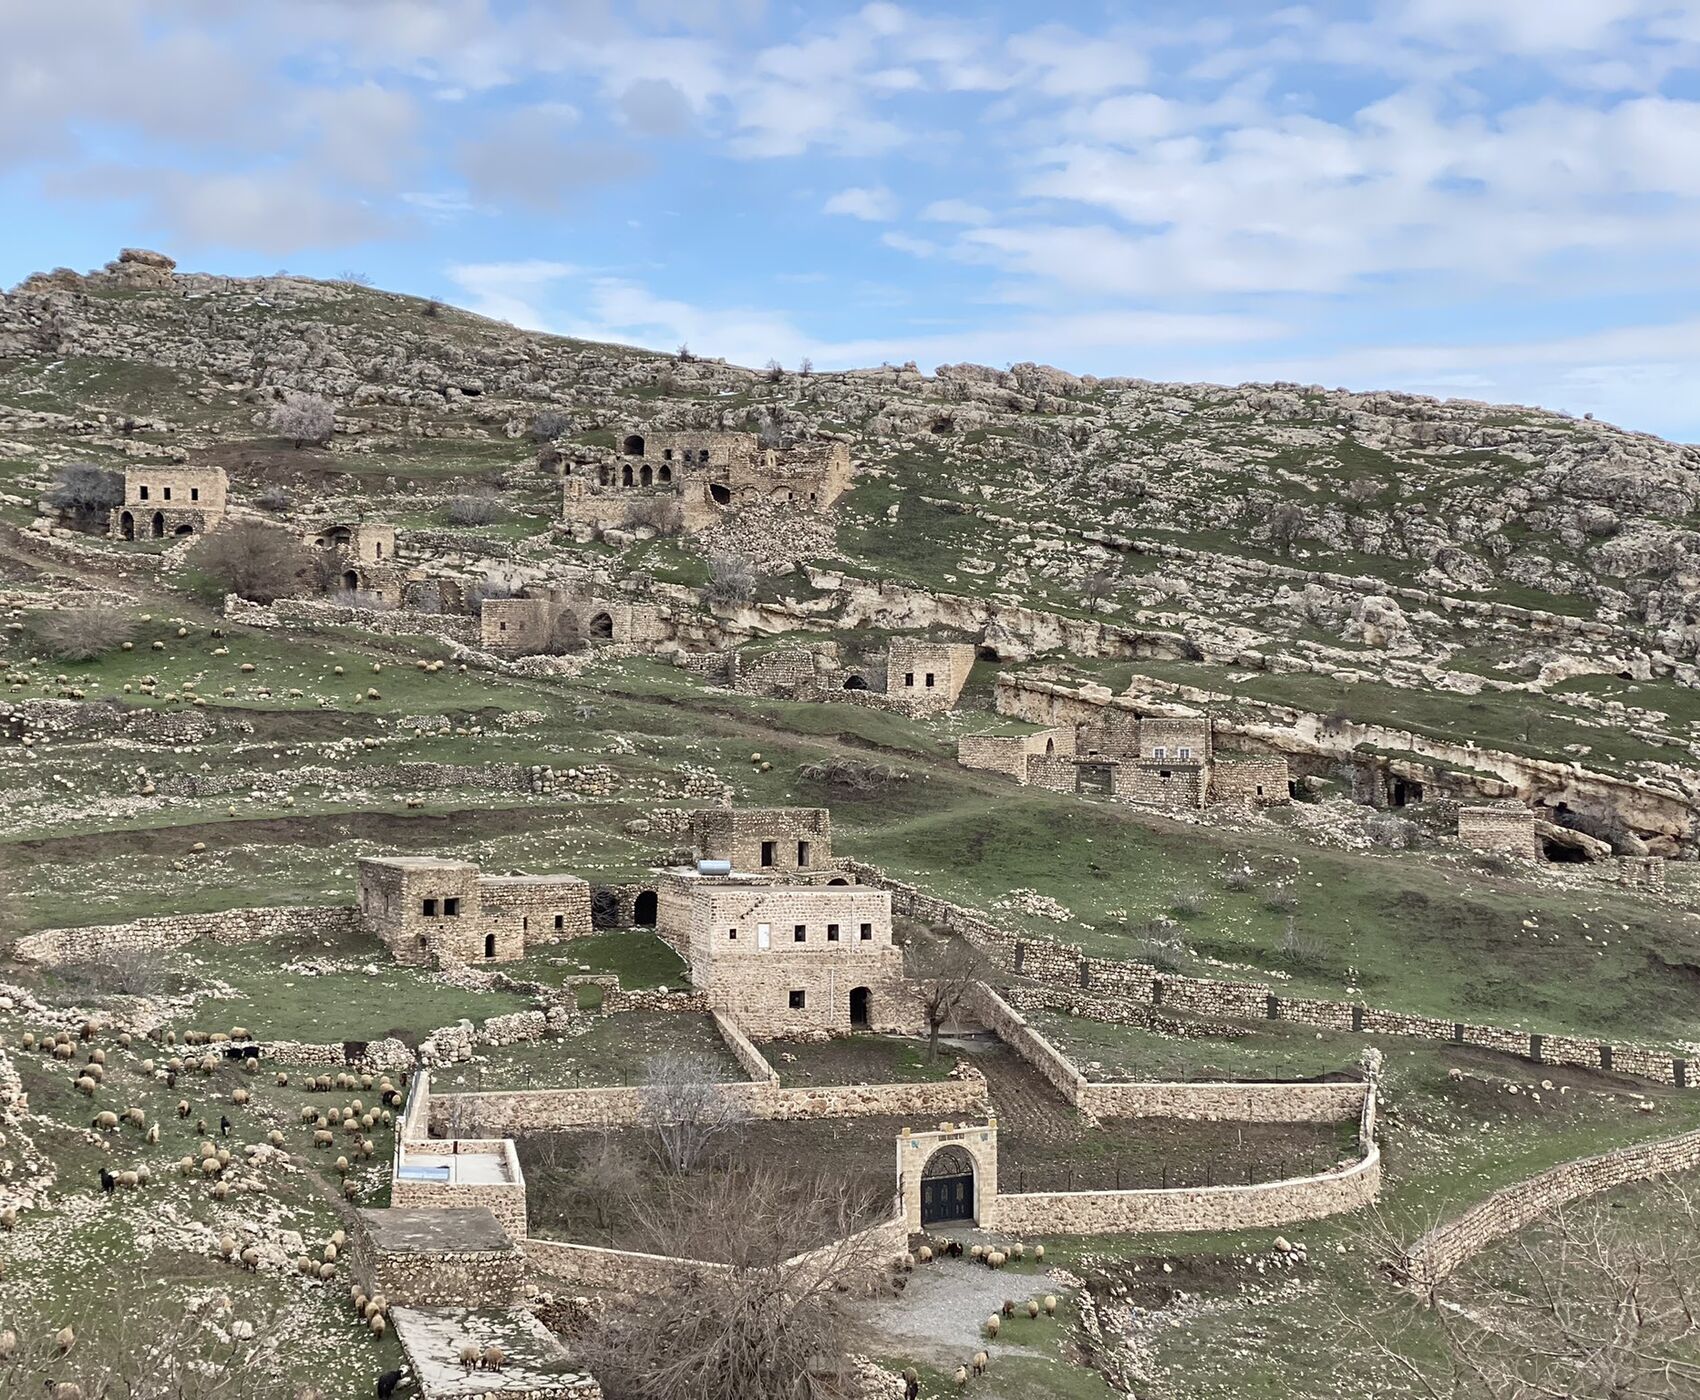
{"x": 330, "y": 1254}
{"x": 1039, "y": 1253}
{"x": 980, "y": 1360}
{"x": 239, "y": 1097}
{"x": 327, "y": 1272}
{"x": 469, "y": 1357}
{"x": 97, "y": 1057}
{"x": 1009, "y": 1307}
{"x": 186, "y": 1165}
{"x": 251, "y": 1257}
{"x": 956, "y": 1249}
{"x": 183, "y": 1108}
{"x": 85, "y": 1085}
{"x": 911, "y": 1383}
{"x": 377, "y": 1324}
{"x": 977, "y": 1253}
{"x": 992, "y": 1324}
{"x": 136, "y": 1116}
{"x": 9, "y": 1218}
{"x": 494, "y": 1358}
{"x": 1032, "y": 1308}
{"x": 107, "y": 1122}
{"x": 129, "y": 1180}
{"x": 153, "y": 1134}
{"x": 227, "y": 1245}
{"x": 350, "y": 1190}
{"x": 64, "y": 1338}
{"x": 201, "y": 1126}
{"x": 924, "y": 1254}
{"x": 387, "y": 1384}
{"x": 961, "y": 1377}
{"x": 66, "y": 1390}
{"x": 339, "y": 1238}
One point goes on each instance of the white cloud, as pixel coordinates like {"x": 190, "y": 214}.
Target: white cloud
{"x": 876, "y": 204}
{"x": 908, "y": 243}
{"x": 956, "y": 211}
{"x": 512, "y": 291}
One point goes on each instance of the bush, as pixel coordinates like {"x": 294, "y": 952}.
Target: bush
{"x": 1282, "y": 902}
{"x": 307, "y": 418}
{"x": 86, "y": 493}
{"x": 658, "y": 513}
{"x": 255, "y": 561}
{"x": 274, "y": 499}
{"x": 731, "y": 581}
{"x": 851, "y": 774}
{"x": 1239, "y": 881}
{"x": 476, "y": 595}
{"x": 549, "y": 425}
{"x": 1188, "y": 904}
{"x": 1299, "y": 950}
{"x": 1165, "y": 953}
{"x": 475, "y": 510}
{"x": 81, "y": 634}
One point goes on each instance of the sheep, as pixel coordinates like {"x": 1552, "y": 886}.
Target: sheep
{"x": 339, "y": 1238}
{"x": 494, "y": 1358}
{"x": 29, "y": 1040}
{"x": 469, "y": 1357}
{"x": 62, "y": 1051}
{"x": 327, "y": 1272}
{"x": 992, "y": 1324}
{"x": 1017, "y": 1249}
{"x": 66, "y": 1390}
{"x": 387, "y": 1384}
{"x": 282, "y": 1080}
{"x": 977, "y": 1253}
{"x": 9, "y": 1218}
{"x": 125, "y": 1040}
{"x": 980, "y": 1360}
{"x": 152, "y": 1135}
{"x": 251, "y": 1258}
{"x": 85, "y": 1085}
{"x": 211, "y": 1166}
{"x": 1050, "y": 1305}
{"x": 201, "y": 1126}
{"x": 143, "y": 1175}
{"x": 227, "y": 1245}
{"x": 65, "y": 1338}
{"x": 308, "y": 1114}
{"x": 1039, "y": 1253}
{"x": 97, "y": 1056}
{"x": 911, "y": 1383}
{"x": 106, "y": 1122}
{"x": 129, "y": 1180}
{"x": 1009, "y": 1307}
{"x": 330, "y": 1254}
{"x": 239, "y": 1097}
{"x": 955, "y": 1249}
{"x": 1032, "y": 1308}
{"x": 924, "y": 1254}
{"x": 136, "y": 1116}
{"x": 186, "y": 1165}
{"x": 350, "y": 1190}
{"x": 377, "y": 1324}
{"x": 183, "y": 1108}
{"x": 961, "y": 1377}
{"x": 8, "y": 1344}
{"x": 275, "y": 1138}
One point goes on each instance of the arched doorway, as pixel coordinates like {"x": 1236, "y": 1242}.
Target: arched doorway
{"x": 626, "y": 475}
{"x": 665, "y": 475}
{"x": 127, "y": 525}
{"x": 947, "y": 1187}
{"x": 646, "y": 477}
{"x": 838, "y": 880}
{"x": 633, "y": 445}
{"x": 643, "y": 909}
{"x": 601, "y": 626}
{"x": 854, "y": 682}
{"x": 182, "y": 530}
{"x": 859, "y": 999}
{"x": 1050, "y": 748}
{"x": 489, "y": 945}
{"x": 604, "y": 909}
{"x": 351, "y": 580}
{"x": 159, "y": 524}
{"x": 720, "y": 495}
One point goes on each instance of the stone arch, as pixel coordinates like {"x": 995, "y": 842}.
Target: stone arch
{"x": 645, "y": 908}
{"x": 633, "y": 445}
{"x": 950, "y": 1175}
{"x": 664, "y": 475}
{"x": 489, "y": 945}
{"x": 350, "y": 580}
{"x": 182, "y": 530}
{"x": 1050, "y": 748}
{"x": 127, "y": 525}
{"x": 601, "y": 626}
{"x": 861, "y": 1003}
{"x": 646, "y": 476}
{"x": 947, "y": 1187}
{"x": 838, "y": 880}
{"x": 626, "y": 474}
{"x": 720, "y": 495}
{"x": 854, "y": 682}
{"x": 158, "y": 526}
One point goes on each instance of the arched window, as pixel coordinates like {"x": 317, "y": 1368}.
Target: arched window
{"x": 159, "y": 524}
{"x": 633, "y": 445}
{"x": 127, "y": 525}
{"x": 646, "y": 477}
{"x": 626, "y": 475}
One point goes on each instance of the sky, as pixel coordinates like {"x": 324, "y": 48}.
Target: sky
{"x": 1488, "y": 199}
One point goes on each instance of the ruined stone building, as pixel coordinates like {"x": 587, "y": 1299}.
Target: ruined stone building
{"x": 1160, "y": 760}
{"x": 565, "y": 618}
{"x": 705, "y": 473}
{"x": 915, "y": 676}
{"x": 431, "y": 911}
{"x": 926, "y": 677}
{"x": 361, "y": 558}
{"x": 164, "y": 501}
{"x": 1506, "y": 827}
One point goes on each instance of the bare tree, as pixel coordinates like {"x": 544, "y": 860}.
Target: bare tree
{"x": 1587, "y": 1304}
{"x": 566, "y": 634}
{"x": 80, "y": 634}
{"x": 476, "y": 595}
{"x": 775, "y": 371}
{"x": 1098, "y": 587}
{"x": 255, "y": 561}
{"x": 686, "y": 1107}
{"x": 1286, "y": 524}
{"x": 806, "y": 368}
{"x": 944, "y": 969}
{"x": 85, "y": 493}
{"x": 731, "y": 581}
{"x": 684, "y": 355}
{"x": 475, "y": 508}
{"x": 304, "y": 419}
{"x": 773, "y": 1321}
{"x": 549, "y": 424}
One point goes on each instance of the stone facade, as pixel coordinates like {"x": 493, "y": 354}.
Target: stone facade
{"x": 460, "y": 1174}
{"x": 925, "y": 677}
{"x": 1641, "y": 872}
{"x": 428, "y": 910}
{"x": 971, "y": 1144}
{"x": 362, "y": 560}
{"x": 1010, "y": 754}
{"x": 706, "y": 473}
{"x": 549, "y": 619}
{"x": 787, "y": 960}
{"x": 764, "y": 839}
{"x": 1507, "y": 829}
{"x": 169, "y": 499}
{"x": 425, "y": 1258}
{"x": 1258, "y": 782}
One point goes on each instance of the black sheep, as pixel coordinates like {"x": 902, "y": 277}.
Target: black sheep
{"x": 107, "y": 1181}
{"x": 387, "y": 1384}
{"x": 223, "y": 1126}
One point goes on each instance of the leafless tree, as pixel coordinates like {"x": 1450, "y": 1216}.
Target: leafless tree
{"x": 566, "y": 634}
{"x": 806, "y": 368}
{"x": 1588, "y": 1304}
{"x": 658, "y": 513}
{"x": 686, "y": 1107}
{"x": 1098, "y": 587}
{"x": 304, "y": 419}
{"x": 476, "y": 595}
{"x": 775, "y": 371}
{"x": 475, "y": 508}
{"x": 731, "y": 581}
{"x": 945, "y": 969}
{"x": 80, "y": 634}
{"x": 126, "y": 971}
{"x": 1286, "y": 523}
{"x": 85, "y": 493}
{"x": 256, "y": 561}
{"x": 549, "y": 424}
{"x": 684, "y": 355}
{"x": 772, "y": 1323}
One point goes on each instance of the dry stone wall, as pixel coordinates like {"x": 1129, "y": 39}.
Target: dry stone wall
{"x": 163, "y": 932}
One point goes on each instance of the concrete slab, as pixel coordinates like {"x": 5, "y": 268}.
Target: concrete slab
{"x": 537, "y": 1367}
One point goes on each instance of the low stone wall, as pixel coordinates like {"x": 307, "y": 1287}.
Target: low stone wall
{"x": 167, "y": 931}
{"x": 1239, "y": 1103}
{"x": 744, "y": 1050}
{"x": 313, "y": 612}
{"x": 492, "y": 1278}
{"x": 1430, "y": 1259}
{"x": 1140, "y": 987}
{"x": 1011, "y": 1027}
{"x": 1212, "y": 1208}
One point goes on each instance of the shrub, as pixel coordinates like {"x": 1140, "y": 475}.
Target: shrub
{"x": 1165, "y": 954}
{"x": 661, "y": 514}
{"x": 1299, "y": 950}
{"x": 476, "y": 595}
{"x": 255, "y": 561}
{"x": 852, "y": 774}
{"x": 432, "y": 308}
{"x": 731, "y": 581}
{"x": 1239, "y": 881}
{"x": 1188, "y": 904}
{"x": 475, "y": 510}
{"x": 274, "y": 499}
{"x": 1282, "y": 902}
{"x": 85, "y": 492}
{"x": 549, "y": 425}
{"x": 307, "y": 418}
{"x": 81, "y": 634}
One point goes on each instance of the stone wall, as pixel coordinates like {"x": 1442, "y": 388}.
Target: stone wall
{"x": 764, "y": 838}
{"x": 1259, "y": 781}
{"x": 504, "y": 1199}
{"x": 1008, "y": 754}
{"x": 1011, "y": 1027}
{"x": 1237, "y": 1103}
{"x": 1431, "y": 1258}
{"x": 314, "y": 612}
{"x": 1508, "y": 830}
{"x": 166, "y": 931}
{"x": 923, "y": 677}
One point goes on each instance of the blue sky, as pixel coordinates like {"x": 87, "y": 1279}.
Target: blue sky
{"x": 1495, "y": 199}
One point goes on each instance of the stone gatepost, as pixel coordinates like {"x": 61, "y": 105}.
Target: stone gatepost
{"x": 978, "y": 1141}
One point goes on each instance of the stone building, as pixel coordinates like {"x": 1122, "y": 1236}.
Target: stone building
{"x": 425, "y": 1257}
{"x": 764, "y": 840}
{"x": 167, "y": 500}
{"x": 706, "y": 473}
{"x": 786, "y": 960}
{"x": 1508, "y": 828}
{"x": 431, "y": 911}
{"x": 361, "y": 558}
{"x": 548, "y": 619}
{"x": 925, "y": 677}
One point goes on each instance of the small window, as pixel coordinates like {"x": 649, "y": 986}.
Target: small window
{"x": 424, "y": 942}
{"x": 168, "y": 493}
{"x": 1260, "y": 789}
{"x": 501, "y": 627}
{"x": 1183, "y": 754}
{"x": 451, "y": 908}
{"x": 832, "y": 933}
{"x": 929, "y": 680}
{"x": 769, "y": 852}
{"x": 866, "y": 932}
{"x": 802, "y": 854}
{"x": 194, "y": 493}
{"x": 429, "y": 908}
{"x": 560, "y": 922}
{"x": 799, "y": 933}
{"x": 1159, "y": 752}
{"x": 489, "y": 945}
{"x": 378, "y": 549}
{"x": 909, "y": 678}
{"x": 764, "y": 935}
{"x": 144, "y": 493}
{"x": 1164, "y": 774}
{"x": 732, "y": 934}
{"x": 799, "y": 999}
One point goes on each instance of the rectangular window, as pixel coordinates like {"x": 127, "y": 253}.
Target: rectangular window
{"x": 799, "y": 933}
{"x": 764, "y": 935}
{"x": 769, "y": 852}
{"x": 560, "y": 922}
{"x": 451, "y": 908}
{"x": 1159, "y": 752}
{"x": 866, "y": 932}
{"x": 144, "y": 493}
{"x": 168, "y": 493}
{"x": 194, "y": 493}
{"x": 1164, "y": 774}
{"x": 732, "y": 935}
{"x": 1183, "y": 754}
{"x": 379, "y": 548}
{"x": 501, "y": 627}
{"x": 802, "y": 854}
{"x": 908, "y": 678}
{"x": 798, "y": 1000}
{"x": 429, "y": 909}
{"x": 929, "y": 680}
{"x": 832, "y": 933}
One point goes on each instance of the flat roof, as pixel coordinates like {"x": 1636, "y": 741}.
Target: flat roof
{"x": 417, "y": 1230}
{"x": 536, "y": 1361}
{"x": 418, "y": 862}
{"x": 561, "y": 879}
